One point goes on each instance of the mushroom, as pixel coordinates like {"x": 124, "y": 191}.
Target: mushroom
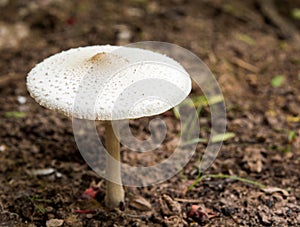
{"x": 109, "y": 83}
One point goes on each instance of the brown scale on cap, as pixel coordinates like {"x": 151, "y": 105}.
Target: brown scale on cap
{"x": 104, "y": 58}
{"x": 98, "y": 57}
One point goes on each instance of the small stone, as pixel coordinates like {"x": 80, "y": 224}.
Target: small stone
{"x": 21, "y": 100}
{"x": 58, "y": 175}
{"x": 54, "y": 223}
{"x": 2, "y": 148}
{"x": 89, "y": 216}
{"x": 42, "y": 172}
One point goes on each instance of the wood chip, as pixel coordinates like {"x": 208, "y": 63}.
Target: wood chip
{"x": 140, "y": 203}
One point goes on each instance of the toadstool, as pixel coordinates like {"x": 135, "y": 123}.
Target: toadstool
{"x": 109, "y": 83}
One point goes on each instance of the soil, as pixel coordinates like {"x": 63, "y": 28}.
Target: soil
{"x": 43, "y": 176}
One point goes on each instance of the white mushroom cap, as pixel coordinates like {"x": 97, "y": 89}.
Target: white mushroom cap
{"x": 108, "y": 83}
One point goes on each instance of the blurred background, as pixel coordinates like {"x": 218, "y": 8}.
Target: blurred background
{"x": 251, "y": 46}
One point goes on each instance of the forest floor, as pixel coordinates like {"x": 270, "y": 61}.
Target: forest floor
{"x": 254, "y": 57}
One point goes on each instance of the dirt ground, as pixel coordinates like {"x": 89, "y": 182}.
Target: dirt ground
{"x": 255, "y": 57}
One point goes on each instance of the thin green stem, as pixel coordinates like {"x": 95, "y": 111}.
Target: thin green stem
{"x": 200, "y": 178}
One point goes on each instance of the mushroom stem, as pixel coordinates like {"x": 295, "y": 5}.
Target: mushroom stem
{"x": 114, "y": 189}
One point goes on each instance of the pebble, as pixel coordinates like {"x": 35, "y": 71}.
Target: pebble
{"x": 2, "y": 147}
{"x": 43, "y": 172}
{"x": 54, "y": 223}
{"x": 21, "y": 100}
